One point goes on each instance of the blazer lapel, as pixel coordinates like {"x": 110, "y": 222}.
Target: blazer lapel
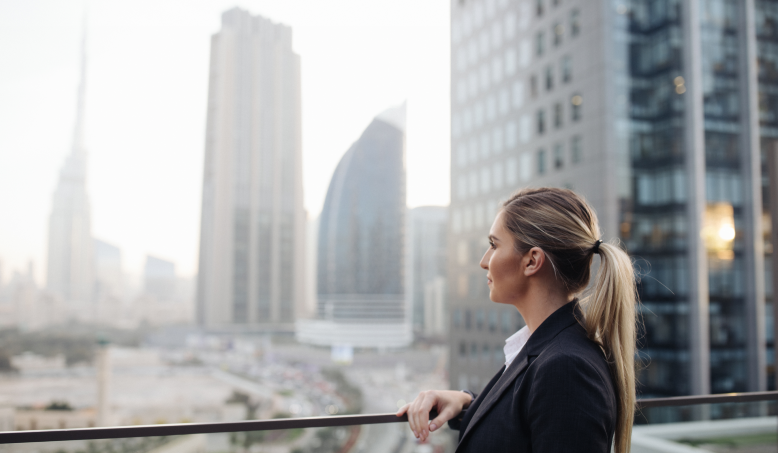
{"x": 518, "y": 365}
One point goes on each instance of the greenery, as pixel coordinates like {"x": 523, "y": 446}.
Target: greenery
{"x": 77, "y": 342}
{"x": 59, "y": 406}
{"x": 735, "y": 441}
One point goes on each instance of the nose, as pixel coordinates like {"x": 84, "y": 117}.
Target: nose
{"x": 485, "y": 260}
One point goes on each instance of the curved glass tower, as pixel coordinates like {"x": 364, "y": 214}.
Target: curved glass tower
{"x": 361, "y": 243}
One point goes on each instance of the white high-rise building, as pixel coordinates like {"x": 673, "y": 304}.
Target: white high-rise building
{"x": 252, "y": 261}
{"x": 70, "y": 264}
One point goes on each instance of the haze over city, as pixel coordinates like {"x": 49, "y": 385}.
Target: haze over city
{"x": 147, "y": 74}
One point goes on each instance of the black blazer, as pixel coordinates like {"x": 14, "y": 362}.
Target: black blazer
{"x": 556, "y": 396}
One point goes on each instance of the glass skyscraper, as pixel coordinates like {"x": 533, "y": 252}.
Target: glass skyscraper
{"x": 655, "y": 111}
{"x": 361, "y": 247}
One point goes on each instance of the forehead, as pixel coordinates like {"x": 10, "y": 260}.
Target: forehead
{"x": 498, "y": 226}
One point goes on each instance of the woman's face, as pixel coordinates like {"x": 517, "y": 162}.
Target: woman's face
{"x": 507, "y": 282}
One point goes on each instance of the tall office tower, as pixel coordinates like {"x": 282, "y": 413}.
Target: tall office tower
{"x": 251, "y": 270}
{"x": 426, "y": 266}
{"x": 361, "y": 289}
{"x": 70, "y": 260}
{"x": 653, "y": 110}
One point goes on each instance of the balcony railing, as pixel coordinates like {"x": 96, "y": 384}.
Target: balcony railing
{"x": 53, "y": 435}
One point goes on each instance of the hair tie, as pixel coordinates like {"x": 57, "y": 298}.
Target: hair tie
{"x": 596, "y": 248}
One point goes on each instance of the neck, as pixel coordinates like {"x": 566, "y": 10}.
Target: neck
{"x": 539, "y": 304}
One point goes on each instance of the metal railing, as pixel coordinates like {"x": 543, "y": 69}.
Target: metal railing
{"x": 117, "y": 432}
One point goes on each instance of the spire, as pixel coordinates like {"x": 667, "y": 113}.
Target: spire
{"x": 79, "y": 148}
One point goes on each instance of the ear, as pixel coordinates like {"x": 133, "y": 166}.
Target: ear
{"x": 533, "y": 261}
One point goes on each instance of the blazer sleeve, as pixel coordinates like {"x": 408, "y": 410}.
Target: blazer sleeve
{"x": 570, "y": 407}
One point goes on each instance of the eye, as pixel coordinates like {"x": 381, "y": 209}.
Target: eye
{"x": 491, "y": 244}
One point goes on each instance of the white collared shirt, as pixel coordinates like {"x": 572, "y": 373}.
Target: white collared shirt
{"x": 514, "y": 344}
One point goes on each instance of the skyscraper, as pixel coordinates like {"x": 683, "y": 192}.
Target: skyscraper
{"x": 251, "y": 269}
{"x": 70, "y": 259}
{"x": 361, "y": 247}
{"x": 426, "y": 265}
{"x": 654, "y": 110}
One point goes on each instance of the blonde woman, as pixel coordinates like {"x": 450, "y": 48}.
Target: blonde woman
{"x": 569, "y": 382}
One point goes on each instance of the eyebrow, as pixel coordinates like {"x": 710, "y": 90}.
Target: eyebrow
{"x": 493, "y": 238}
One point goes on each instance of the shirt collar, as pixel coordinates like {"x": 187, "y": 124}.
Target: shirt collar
{"x": 514, "y": 344}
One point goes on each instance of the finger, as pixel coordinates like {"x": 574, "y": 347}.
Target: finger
{"x": 403, "y": 410}
{"x": 444, "y": 416}
{"x": 430, "y": 400}
{"x": 412, "y": 411}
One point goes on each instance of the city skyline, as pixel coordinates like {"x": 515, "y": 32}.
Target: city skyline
{"x": 129, "y": 142}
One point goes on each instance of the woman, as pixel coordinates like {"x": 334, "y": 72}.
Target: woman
{"x": 569, "y": 380}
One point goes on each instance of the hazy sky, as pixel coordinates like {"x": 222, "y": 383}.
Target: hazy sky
{"x": 146, "y": 100}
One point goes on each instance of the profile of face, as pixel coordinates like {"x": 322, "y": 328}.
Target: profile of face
{"x": 508, "y": 271}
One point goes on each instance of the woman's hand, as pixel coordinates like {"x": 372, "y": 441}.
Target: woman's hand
{"x": 448, "y": 404}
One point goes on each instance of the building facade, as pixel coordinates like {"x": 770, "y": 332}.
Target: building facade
{"x": 251, "y": 264}
{"x": 427, "y": 226}
{"x": 361, "y": 297}
{"x": 70, "y": 259}
{"x": 656, "y": 112}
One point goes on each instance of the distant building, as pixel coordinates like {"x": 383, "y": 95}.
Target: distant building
{"x": 427, "y": 264}
{"x": 109, "y": 278}
{"x": 70, "y": 271}
{"x": 361, "y": 247}
{"x": 159, "y": 278}
{"x": 251, "y": 270}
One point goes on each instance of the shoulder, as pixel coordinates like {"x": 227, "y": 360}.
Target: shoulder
{"x": 572, "y": 358}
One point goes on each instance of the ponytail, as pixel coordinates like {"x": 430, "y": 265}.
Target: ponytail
{"x": 610, "y": 322}
{"x": 562, "y": 224}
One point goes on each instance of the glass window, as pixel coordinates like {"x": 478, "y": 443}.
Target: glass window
{"x": 486, "y": 145}
{"x": 462, "y": 350}
{"x": 468, "y": 319}
{"x": 491, "y": 108}
{"x": 526, "y": 166}
{"x": 510, "y": 25}
{"x": 567, "y": 69}
{"x": 497, "y": 142}
{"x": 540, "y": 44}
{"x": 492, "y": 320}
{"x": 504, "y": 101}
{"x": 577, "y": 102}
{"x": 575, "y": 23}
{"x": 473, "y": 351}
{"x": 457, "y": 318}
{"x": 496, "y": 69}
{"x": 497, "y": 175}
{"x": 549, "y": 78}
{"x": 559, "y": 30}
{"x": 510, "y": 171}
{"x": 486, "y": 180}
{"x": 479, "y": 319}
{"x": 558, "y": 115}
{"x": 496, "y": 34}
{"x": 533, "y": 85}
{"x": 526, "y": 128}
{"x": 506, "y": 321}
{"x": 499, "y": 353}
{"x": 541, "y": 161}
{"x": 541, "y": 122}
{"x": 510, "y": 135}
{"x": 518, "y": 94}
{"x": 486, "y": 353}
{"x": 559, "y": 156}
{"x": 510, "y": 62}
{"x": 483, "y": 76}
{"x": 576, "y": 150}
{"x": 539, "y": 7}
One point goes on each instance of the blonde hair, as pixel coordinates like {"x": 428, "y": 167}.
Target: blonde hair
{"x": 562, "y": 224}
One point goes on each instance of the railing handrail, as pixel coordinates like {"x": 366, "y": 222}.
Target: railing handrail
{"x": 116, "y": 432}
